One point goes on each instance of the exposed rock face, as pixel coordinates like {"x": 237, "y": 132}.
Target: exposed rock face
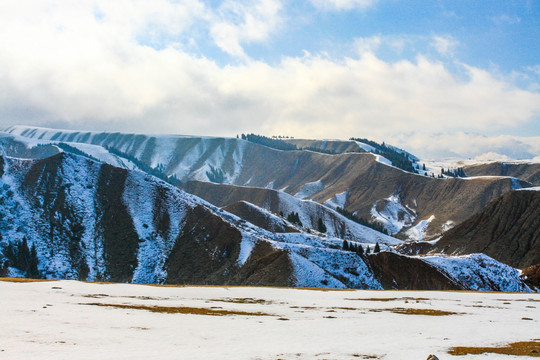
{"x": 523, "y": 171}
{"x": 120, "y": 239}
{"x": 414, "y": 247}
{"x": 531, "y": 276}
{"x": 406, "y": 273}
{"x": 205, "y": 251}
{"x": 508, "y": 230}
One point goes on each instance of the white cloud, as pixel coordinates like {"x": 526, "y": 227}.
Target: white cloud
{"x": 535, "y": 69}
{"x": 468, "y": 145}
{"x": 82, "y": 70}
{"x": 444, "y": 45}
{"x": 239, "y": 22}
{"x": 506, "y": 19}
{"x": 369, "y": 44}
{"x": 342, "y": 4}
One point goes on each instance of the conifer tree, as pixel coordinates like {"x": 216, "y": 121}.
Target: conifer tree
{"x": 345, "y": 245}
{"x": 32, "y": 269}
{"x": 377, "y": 248}
{"x": 321, "y": 226}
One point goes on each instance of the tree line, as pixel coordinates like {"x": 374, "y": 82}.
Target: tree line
{"x": 274, "y": 143}
{"x": 399, "y": 159}
{"x": 20, "y": 256}
{"x": 360, "y": 220}
{"x": 358, "y": 249}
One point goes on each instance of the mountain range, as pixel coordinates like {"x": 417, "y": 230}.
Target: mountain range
{"x": 202, "y": 210}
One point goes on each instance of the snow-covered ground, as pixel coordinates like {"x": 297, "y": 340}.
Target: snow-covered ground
{"x": 394, "y": 216}
{"x": 68, "y": 319}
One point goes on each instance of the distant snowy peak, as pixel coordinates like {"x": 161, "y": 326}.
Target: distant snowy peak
{"x": 194, "y": 157}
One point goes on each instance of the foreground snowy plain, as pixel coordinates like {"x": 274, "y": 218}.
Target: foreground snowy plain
{"x": 77, "y": 320}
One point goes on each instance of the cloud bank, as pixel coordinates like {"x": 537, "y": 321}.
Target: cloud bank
{"x": 127, "y": 66}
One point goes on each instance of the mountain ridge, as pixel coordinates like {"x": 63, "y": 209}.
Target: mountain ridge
{"x": 374, "y": 190}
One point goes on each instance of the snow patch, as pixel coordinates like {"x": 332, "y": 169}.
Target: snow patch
{"x": 479, "y": 272}
{"x": 246, "y": 247}
{"x": 307, "y": 274}
{"x": 535, "y": 188}
{"x": 338, "y": 200}
{"x": 365, "y": 147}
{"x": 418, "y": 232}
{"x": 393, "y": 215}
{"x": 310, "y": 189}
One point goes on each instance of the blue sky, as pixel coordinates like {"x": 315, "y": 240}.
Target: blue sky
{"x": 419, "y": 74}
{"x": 503, "y": 34}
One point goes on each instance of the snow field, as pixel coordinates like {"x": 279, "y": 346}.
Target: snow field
{"x": 48, "y": 320}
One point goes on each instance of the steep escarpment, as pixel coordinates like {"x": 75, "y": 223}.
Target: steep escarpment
{"x": 115, "y": 225}
{"x": 205, "y": 251}
{"x": 529, "y": 172}
{"x": 58, "y": 224}
{"x": 508, "y": 230}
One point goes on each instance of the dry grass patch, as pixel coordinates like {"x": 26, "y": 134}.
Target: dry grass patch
{"x": 376, "y": 299}
{"x": 522, "y": 348}
{"x": 391, "y": 299}
{"x": 409, "y": 311}
{"x": 23, "y": 280}
{"x": 180, "y": 310}
{"x": 366, "y": 356}
{"x": 95, "y": 296}
{"x": 343, "y": 308}
{"x": 243, "y": 301}
{"x": 305, "y": 307}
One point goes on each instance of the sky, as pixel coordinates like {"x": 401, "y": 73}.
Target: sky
{"x": 438, "y": 78}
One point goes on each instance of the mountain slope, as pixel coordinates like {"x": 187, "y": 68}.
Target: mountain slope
{"x": 277, "y": 202}
{"x": 260, "y": 217}
{"x": 529, "y": 172}
{"x": 508, "y": 230}
{"x": 93, "y": 221}
{"x": 87, "y": 220}
{"x": 364, "y": 184}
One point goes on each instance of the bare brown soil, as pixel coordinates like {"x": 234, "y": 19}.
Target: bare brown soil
{"x": 23, "y": 280}
{"x": 410, "y": 311}
{"x": 527, "y": 172}
{"x": 243, "y": 301}
{"x": 508, "y": 230}
{"x": 522, "y": 348}
{"x": 180, "y": 310}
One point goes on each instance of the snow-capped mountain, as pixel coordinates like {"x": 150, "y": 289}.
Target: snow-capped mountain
{"x": 88, "y": 220}
{"x": 364, "y": 184}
